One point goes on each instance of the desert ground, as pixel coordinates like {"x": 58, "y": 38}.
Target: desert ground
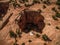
{"x": 51, "y": 29}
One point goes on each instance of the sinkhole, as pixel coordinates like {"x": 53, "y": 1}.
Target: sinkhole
{"x": 31, "y": 20}
{"x": 3, "y": 8}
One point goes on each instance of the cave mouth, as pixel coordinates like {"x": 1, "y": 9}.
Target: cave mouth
{"x": 31, "y": 20}
{"x": 3, "y": 8}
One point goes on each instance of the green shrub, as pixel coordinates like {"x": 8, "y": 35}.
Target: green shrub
{"x": 39, "y": 10}
{"x": 58, "y": 15}
{"x": 58, "y": 2}
{"x": 12, "y": 34}
{"x": 45, "y": 44}
{"x": 30, "y": 40}
{"x": 49, "y": 24}
{"x": 11, "y": 1}
{"x": 15, "y": 43}
{"x": 23, "y": 44}
{"x": 54, "y": 9}
{"x": 25, "y": 1}
{"x": 57, "y": 27}
{"x": 44, "y": 6}
{"x": 27, "y": 5}
{"x": 37, "y": 35}
{"x": 45, "y": 37}
{"x": 18, "y": 33}
{"x": 54, "y": 17}
{"x": 36, "y": 1}
{"x": 47, "y": 2}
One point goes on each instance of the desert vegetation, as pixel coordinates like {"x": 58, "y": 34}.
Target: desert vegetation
{"x": 45, "y": 38}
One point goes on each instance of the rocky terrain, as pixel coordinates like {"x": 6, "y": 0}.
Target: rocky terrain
{"x": 40, "y": 18}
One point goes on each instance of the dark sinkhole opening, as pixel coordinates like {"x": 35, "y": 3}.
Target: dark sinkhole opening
{"x": 31, "y": 20}
{"x": 3, "y": 8}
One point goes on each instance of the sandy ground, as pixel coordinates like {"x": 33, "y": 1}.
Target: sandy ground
{"x": 50, "y": 31}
